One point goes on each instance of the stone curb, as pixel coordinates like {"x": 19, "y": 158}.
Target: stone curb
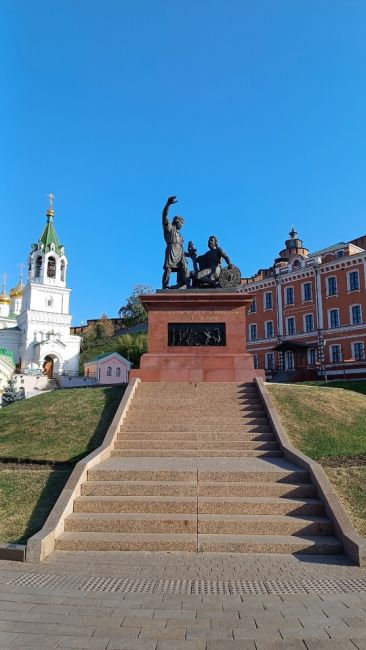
{"x": 42, "y": 543}
{"x": 15, "y": 552}
{"x": 353, "y": 544}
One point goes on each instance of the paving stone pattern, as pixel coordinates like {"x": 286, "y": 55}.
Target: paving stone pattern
{"x": 68, "y": 617}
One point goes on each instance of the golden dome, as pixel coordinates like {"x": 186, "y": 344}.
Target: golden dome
{"x": 4, "y": 298}
{"x": 17, "y": 291}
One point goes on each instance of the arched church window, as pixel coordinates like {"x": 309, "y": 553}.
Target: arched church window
{"x": 63, "y": 270}
{"x": 38, "y": 267}
{"x": 118, "y": 372}
{"x": 109, "y": 371}
{"x": 51, "y": 267}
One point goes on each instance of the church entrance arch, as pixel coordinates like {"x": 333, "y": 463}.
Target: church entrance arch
{"x": 48, "y": 366}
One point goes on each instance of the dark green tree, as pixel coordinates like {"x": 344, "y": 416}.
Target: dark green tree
{"x": 11, "y": 393}
{"x": 133, "y": 311}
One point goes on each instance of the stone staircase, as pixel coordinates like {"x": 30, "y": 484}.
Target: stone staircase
{"x": 196, "y": 467}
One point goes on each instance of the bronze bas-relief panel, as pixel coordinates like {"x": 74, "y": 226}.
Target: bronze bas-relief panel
{"x": 196, "y": 334}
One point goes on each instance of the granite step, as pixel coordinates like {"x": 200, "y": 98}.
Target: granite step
{"x": 195, "y": 444}
{"x": 264, "y": 525}
{"x": 204, "y": 505}
{"x": 92, "y": 541}
{"x": 204, "y": 428}
{"x": 139, "y": 488}
{"x": 256, "y": 489}
{"x": 131, "y": 522}
{"x": 141, "y": 504}
{"x": 262, "y": 505}
{"x": 283, "y": 544}
{"x": 217, "y": 421}
{"x": 196, "y": 435}
{"x": 194, "y": 453}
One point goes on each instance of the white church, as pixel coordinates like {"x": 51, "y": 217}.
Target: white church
{"x": 34, "y": 319}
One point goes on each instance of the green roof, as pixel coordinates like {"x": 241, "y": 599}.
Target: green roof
{"x": 8, "y": 356}
{"x": 49, "y": 236}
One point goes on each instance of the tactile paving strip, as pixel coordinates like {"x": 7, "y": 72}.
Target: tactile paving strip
{"x": 203, "y": 587}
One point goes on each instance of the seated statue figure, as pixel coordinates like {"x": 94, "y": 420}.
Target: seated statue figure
{"x": 207, "y": 267}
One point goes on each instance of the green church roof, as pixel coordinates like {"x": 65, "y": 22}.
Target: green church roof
{"x": 49, "y": 235}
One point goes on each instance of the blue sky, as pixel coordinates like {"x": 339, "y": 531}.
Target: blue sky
{"x": 253, "y": 113}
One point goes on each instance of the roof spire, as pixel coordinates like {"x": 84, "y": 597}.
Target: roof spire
{"x": 293, "y": 233}
{"x": 50, "y": 212}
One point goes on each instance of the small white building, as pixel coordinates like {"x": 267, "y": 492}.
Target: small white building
{"x": 108, "y": 369}
{"x": 34, "y": 319}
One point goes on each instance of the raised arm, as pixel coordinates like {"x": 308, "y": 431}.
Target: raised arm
{"x": 170, "y": 201}
{"x": 226, "y": 258}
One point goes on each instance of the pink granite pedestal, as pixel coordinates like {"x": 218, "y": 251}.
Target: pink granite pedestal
{"x": 227, "y": 363}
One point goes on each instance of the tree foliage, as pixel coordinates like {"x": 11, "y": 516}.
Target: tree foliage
{"x": 11, "y": 393}
{"x": 98, "y": 331}
{"x": 133, "y": 312}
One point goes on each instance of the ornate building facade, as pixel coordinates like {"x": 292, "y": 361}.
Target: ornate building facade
{"x": 34, "y": 319}
{"x": 308, "y": 316}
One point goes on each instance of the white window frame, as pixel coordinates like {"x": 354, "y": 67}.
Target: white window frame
{"x": 329, "y": 277}
{"x": 265, "y": 329}
{"x": 310, "y": 362}
{"x": 304, "y": 323}
{"x": 353, "y": 344}
{"x": 335, "y": 345}
{"x": 293, "y": 293}
{"x": 250, "y": 332}
{"x": 349, "y": 281}
{"x": 264, "y": 300}
{"x": 329, "y": 319}
{"x": 287, "y": 357}
{"x": 266, "y": 366}
{"x": 253, "y": 303}
{"x": 287, "y": 328}
{"x": 351, "y": 315}
{"x": 303, "y": 292}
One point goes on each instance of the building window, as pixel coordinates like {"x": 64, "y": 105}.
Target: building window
{"x": 256, "y": 360}
{"x": 332, "y": 286}
{"x": 268, "y": 304}
{"x": 290, "y": 296}
{"x": 335, "y": 354}
{"x": 51, "y": 267}
{"x": 49, "y": 302}
{"x": 269, "y": 329}
{"x": 253, "y": 306}
{"x": 306, "y": 291}
{"x": 312, "y": 357}
{"x": 291, "y": 326}
{"x": 289, "y": 360}
{"x": 333, "y": 318}
{"x": 109, "y": 371}
{"x": 252, "y": 332}
{"x": 340, "y": 254}
{"x": 63, "y": 270}
{"x": 358, "y": 351}
{"x": 37, "y": 273}
{"x": 269, "y": 361}
{"x": 118, "y": 372}
{"x": 356, "y": 317}
{"x": 309, "y": 323}
{"x": 353, "y": 281}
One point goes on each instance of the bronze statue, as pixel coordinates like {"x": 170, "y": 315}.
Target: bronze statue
{"x": 207, "y": 267}
{"x": 175, "y": 257}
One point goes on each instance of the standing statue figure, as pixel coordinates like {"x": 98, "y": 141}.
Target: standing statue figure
{"x": 208, "y": 266}
{"x": 175, "y": 258}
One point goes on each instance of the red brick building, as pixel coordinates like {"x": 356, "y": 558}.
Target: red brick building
{"x": 308, "y": 316}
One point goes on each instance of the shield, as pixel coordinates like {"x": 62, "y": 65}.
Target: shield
{"x": 229, "y": 278}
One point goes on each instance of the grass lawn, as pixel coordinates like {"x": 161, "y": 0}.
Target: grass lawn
{"x": 329, "y": 425}
{"x": 321, "y": 421}
{"x": 62, "y": 427}
{"x": 356, "y": 386}
{"x": 26, "y": 498}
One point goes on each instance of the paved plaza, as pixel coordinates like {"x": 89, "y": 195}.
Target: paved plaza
{"x": 173, "y": 601}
